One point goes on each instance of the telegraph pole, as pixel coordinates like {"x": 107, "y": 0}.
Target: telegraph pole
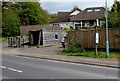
{"x": 107, "y": 41}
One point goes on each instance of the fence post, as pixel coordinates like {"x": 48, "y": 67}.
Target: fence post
{"x": 9, "y": 42}
{"x": 19, "y": 42}
{"x": 23, "y": 42}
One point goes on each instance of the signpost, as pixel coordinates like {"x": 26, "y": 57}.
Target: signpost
{"x": 96, "y": 41}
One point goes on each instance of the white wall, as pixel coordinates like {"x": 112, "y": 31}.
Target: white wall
{"x": 75, "y": 12}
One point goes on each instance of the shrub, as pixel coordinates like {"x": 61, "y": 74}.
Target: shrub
{"x": 68, "y": 28}
{"x": 75, "y": 47}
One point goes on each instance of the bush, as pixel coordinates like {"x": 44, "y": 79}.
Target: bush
{"x": 75, "y": 47}
{"x": 68, "y": 28}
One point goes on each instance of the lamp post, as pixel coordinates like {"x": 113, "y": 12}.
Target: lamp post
{"x": 107, "y": 42}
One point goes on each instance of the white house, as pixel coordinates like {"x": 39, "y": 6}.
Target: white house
{"x": 63, "y": 19}
{"x": 90, "y": 17}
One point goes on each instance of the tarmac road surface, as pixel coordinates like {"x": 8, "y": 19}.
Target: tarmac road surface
{"x": 17, "y": 67}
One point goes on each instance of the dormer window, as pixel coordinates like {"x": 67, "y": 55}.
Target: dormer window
{"x": 97, "y": 10}
{"x": 89, "y": 10}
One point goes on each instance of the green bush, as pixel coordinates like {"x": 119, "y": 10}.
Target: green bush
{"x": 78, "y": 28}
{"x": 3, "y": 38}
{"x": 75, "y": 47}
{"x": 68, "y": 28}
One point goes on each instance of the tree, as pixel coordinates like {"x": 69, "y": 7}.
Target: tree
{"x": 16, "y": 14}
{"x": 75, "y": 8}
{"x": 114, "y": 15}
{"x": 53, "y": 16}
{"x": 116, "y": 7}
{"x": 31, "y": 13}
{"x": 10, "y": 23}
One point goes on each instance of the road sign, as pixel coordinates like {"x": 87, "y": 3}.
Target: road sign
{"x": 96, "y": 37}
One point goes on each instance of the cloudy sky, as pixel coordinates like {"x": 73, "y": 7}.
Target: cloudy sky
{"x": 53, "y": 6}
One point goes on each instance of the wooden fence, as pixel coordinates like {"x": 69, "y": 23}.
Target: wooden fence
{"x": 86, "y": 38}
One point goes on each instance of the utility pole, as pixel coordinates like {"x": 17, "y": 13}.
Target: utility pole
{"x": 107, "y": 42}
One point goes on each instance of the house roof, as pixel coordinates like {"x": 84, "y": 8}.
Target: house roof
{"x": 89, "y": 14}
{"x": 61, "y": 19}
{"x": 63, "y": 13}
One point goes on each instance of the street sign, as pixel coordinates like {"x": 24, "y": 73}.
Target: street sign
{"x": 96, "y": 37}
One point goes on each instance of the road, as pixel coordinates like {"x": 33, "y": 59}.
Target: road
{"x": 16, "y": 67}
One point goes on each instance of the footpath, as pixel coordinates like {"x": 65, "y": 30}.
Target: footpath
{"x": 49, "y": 53}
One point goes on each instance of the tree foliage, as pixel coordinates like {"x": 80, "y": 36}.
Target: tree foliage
{"x": 53, "y": 16}
{"x": 10, "y": 23}
{"x": 114, "y": 15}
{"x": 22, "y": 13}
{"x": 31, "y": 13}
{"x": 75, "y": 8}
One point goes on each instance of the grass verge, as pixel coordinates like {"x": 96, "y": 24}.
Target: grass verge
{"x": 113, "y": 55}
{"x": 3, "y": 39}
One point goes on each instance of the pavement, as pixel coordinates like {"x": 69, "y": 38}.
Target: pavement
{"x": 50, "y": 54}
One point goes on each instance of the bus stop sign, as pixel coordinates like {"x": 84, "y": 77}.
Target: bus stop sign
{"x": 96, "y": 37}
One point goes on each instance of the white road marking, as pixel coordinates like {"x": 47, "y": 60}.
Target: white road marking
{"x": 15, "y": 70}
{"x": 11, "y": 69}
{"x": 3, "y": 67}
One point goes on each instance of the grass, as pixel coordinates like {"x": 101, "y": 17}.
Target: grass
{"x": 113, "y": 55}
{"x": 75, "y": 49}
{"x": 3, "y": 39}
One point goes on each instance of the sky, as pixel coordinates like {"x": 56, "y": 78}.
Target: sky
{"x": 54, "y": 6}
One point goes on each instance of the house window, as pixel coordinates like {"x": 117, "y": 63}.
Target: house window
{"x": 97, "y": 10}
{"x": 56, "y": 36}
{"x": 55, "y": 24}
{"x": 91, "y": 23}
{"x": 89, "y": 10}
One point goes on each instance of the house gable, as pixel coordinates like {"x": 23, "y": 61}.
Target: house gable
{"x": 75, "y": 12}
